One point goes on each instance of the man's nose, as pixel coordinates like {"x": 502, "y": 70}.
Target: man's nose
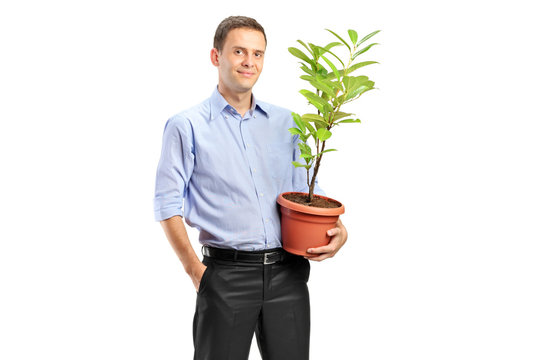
{"x": 248, "y": 60}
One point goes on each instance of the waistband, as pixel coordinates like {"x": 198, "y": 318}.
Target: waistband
{"x": 265, "y": 257}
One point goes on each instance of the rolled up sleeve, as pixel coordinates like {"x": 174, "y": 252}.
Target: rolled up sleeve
{"x": 174, "y": 169}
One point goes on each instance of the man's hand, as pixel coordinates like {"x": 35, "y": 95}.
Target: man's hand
{"x": 339, "y": 237}
{"x": 196, "y": 275}
{"x": 176, "y": 233}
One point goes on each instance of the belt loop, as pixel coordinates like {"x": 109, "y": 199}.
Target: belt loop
{"x": 235, "y": 255}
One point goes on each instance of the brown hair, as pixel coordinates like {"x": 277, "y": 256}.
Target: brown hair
{"x": 234, "y": 22}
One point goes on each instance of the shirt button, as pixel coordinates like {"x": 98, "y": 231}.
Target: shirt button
{"x": 226, "y": 117}
{"x": 262, "y": 194}
{"x": 254, "y": 170}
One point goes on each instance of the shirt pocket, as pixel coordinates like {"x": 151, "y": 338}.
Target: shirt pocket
{"x": 281, "y": 156}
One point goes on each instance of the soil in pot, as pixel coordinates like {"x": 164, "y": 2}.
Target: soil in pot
{"x": 317, "y": 201}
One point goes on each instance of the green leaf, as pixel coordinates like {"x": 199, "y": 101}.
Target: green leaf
{"x": 315, "y": 100}
{"x": 359, "y": 65}
{"x": 312, "y": 117}
{"x": 361, "y": 90}
{"x": 335, "y": 84}
{"x": 295, "y": 131}
{"x": 304, "y": 45}
{"x": 363, "y": 50}
{"x": 323, "y": 87}
{"x": 341, "y": 115}
{"x": 318, "y": 120}
{"x": 306, "y": 156}
{"x": 360, "y": 84}
{"x": 337, "y": 57}
{"x": 368, "y": 37}
{"x": 311, "y": 129}
{"x": 314, "y": 50}
{"x": 304, "y": 148}
{"x": 322, "y": 152}
{"x": 297, "y": 164}
{"x": 331, "y": 45}
{"x": 354, "y": 67}
{"x": 348, "y": 83}
{"x": 353, "y": 35}
{"x": 352, "y": 83}
{"x": 321, "y": 71}
{"x": 307, "y": 70}
{"x": 339, "y": 37}
{"x": 307, "y": 77}
{"x": 349, "y": 121}
{"x": 323, "y": 134}
{"x": 361, "y": 78}
{"x": 298, "y": 121}
{"x": 332, "y": 66}
{"x": 299, "y": 54}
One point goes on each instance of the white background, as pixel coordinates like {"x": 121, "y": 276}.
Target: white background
{"x": 440, "y": 181}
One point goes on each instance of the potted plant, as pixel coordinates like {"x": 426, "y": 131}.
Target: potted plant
{"x": 305, "y": 217}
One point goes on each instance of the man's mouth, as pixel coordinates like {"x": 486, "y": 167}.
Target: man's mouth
{"x": 246, "y": 73}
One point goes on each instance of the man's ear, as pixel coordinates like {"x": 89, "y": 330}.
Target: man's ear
{"x": 214, "y": 54}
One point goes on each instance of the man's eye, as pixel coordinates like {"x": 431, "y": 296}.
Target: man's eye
{"x": 239, "y": 52}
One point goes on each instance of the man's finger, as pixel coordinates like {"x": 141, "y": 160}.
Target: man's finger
{"x": 333, "y": 231}
{"x": 318, "y": 258}
{"x": 321, "y": 249}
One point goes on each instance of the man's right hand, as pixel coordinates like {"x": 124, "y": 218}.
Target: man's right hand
{"x": 197, "y": 274}
{"x": 177, "y": 236}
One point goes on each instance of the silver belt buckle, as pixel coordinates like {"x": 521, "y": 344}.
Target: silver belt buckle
{"x": 205, "y": 251}
{"x": 268, "y": 261}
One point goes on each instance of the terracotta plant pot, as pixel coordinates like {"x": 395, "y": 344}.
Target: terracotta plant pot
{"x": 304, "y": 227}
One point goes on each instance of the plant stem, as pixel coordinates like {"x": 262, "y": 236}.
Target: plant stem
{"x": 315, "y": 171}
{"x": 307, "y": 177}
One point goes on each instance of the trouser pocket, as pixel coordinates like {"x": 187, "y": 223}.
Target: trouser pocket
{"x": 205, "y": 276}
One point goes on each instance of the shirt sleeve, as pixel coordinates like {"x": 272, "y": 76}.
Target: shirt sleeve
{"x": 174, "y": 169}
{"x": 300, "y": 173}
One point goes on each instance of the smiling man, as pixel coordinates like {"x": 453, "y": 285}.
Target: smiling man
{"x": 239, "y": 60}
{"x": 222, "y": 166}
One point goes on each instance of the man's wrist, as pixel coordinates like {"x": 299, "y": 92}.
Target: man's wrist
{"x": 192, "y": 267}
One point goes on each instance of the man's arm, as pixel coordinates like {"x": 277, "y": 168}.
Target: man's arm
{"x": 178, "y": 238}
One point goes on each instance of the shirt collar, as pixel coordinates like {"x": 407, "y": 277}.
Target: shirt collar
{"x": 218, "y": 104}
{"x": 259, "y": 104}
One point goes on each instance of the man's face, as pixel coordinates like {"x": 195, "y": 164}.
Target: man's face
{"x": 240, "y": 62}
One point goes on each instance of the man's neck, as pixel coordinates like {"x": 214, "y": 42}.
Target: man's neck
{"x": 241, "y": 102}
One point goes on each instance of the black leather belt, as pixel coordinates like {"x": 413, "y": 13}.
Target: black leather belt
{"x": 256, "y": 257}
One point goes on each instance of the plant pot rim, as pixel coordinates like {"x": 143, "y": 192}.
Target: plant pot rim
{"x": 310, "y": 209}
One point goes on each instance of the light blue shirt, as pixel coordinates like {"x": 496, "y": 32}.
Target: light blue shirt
{"x": 223, "y": 173}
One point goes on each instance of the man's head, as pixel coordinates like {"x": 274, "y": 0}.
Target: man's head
{"x": 235, "y": 22}
{"x": 238, "y": 53}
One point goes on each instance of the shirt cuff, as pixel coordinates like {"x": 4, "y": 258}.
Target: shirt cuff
{"x": 164, "y": 214}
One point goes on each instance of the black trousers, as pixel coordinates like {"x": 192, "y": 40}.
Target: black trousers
{"x": 238, "y": 299}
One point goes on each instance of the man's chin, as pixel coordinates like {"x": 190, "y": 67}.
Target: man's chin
{"x": 246, "y": 83}
{"x": 245, "y": 87}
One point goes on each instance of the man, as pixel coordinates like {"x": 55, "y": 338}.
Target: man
{"x": 229, "y": 158}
